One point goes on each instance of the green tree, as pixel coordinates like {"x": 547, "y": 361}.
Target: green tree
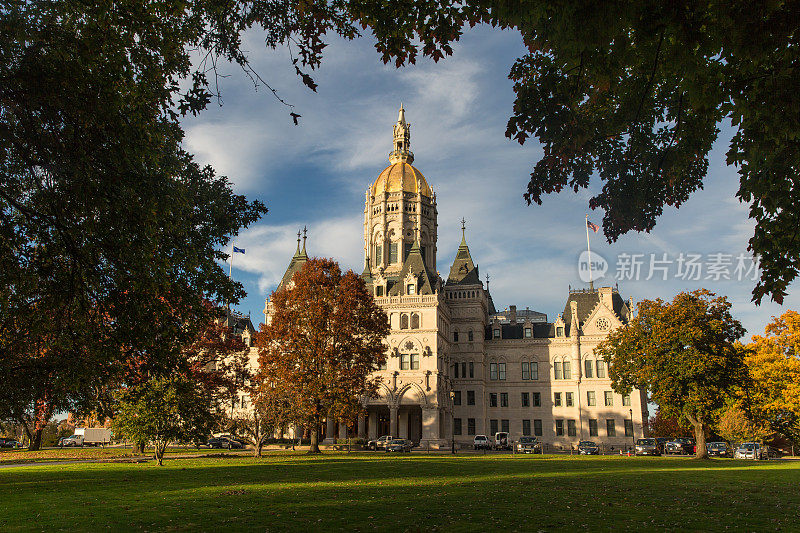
{"x": 684, "y": 353}
{"x": 186, "y": 404}
{"x": 324, "y": 338}
{"x": 163, "y": 411}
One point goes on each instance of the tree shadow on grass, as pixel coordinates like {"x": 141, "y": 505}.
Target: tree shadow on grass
{"x": 367, "y": 492}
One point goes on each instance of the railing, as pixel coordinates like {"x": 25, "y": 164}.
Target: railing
{"x": 416, "y": 299}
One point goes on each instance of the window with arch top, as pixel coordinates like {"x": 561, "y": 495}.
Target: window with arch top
{"x": 404, "y": 321}
{"x": 414, "y": 320}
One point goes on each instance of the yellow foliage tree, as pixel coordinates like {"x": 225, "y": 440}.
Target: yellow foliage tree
{"x": 773, "y": 362}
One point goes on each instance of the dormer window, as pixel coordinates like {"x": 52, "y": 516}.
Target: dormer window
{"x": 379, "y": 290}
{"x": 496, "y": 333}
{"x": 528, "y": 333}
{"x": 411, "y": 289}
{"x": 560, "y": 332}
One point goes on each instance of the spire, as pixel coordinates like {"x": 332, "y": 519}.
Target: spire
{"x": 463, "y": 271}
{"x": 401, "y": 149}
{"x": 297, "y": 261}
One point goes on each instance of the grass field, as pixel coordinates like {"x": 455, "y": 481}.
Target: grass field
{"x": 365, "y": 492}
{"x": 11, "y": 456}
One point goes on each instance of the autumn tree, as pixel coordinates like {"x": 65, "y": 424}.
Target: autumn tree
{"x": 735, "y": 423}
{"x": 683, "y": 353}
{"x": 324, "y": 338}
{"x": 773, "y": 362}
{"x": 188, "y": 403}
{"x": 660, "y": 425}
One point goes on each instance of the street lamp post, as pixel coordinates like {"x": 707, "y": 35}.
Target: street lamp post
{"x": 452, "y": 423}
{"x": 633, "y": 433}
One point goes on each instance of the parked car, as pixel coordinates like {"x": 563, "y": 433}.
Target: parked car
{"x": 481, "y": 441}
{"x": 751, "y": 450}
{"x": 647, "y": 447}
{"x": 379, "y": 443}
{"x": 10, "y": 443}
{"x": 680, "y": 446}
{"x": 662, "y": 443}
{"x": 398, "y": 445}
{"x": 224, "y": 442}
{"x": 529, "y": 445}
{"x": 501, "y": 441}
{"x": 718, "y": 449}
{"x": 588, "y": 447}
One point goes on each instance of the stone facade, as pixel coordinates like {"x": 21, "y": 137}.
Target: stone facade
{"x": 457, "y": 366}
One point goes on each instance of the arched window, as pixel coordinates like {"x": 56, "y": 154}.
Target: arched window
{"x": 455, "y": 336}
{"x": 414, "y": 321}
{"x": 470, "y": 336}
{"x": 588, "y": 368}
{"x": 567, "y": 369}
{"x": 404, "y": 321}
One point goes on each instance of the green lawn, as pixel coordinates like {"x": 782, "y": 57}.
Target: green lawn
{"x": 365, "y": 492}
{"x": 11, "y": 456}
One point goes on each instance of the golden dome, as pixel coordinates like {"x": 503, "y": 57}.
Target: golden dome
{"x": 401, "y": 176}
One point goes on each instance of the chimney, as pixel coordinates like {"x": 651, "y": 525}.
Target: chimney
{"x": 512, "y": 313}
{"x": 605, "y": 296}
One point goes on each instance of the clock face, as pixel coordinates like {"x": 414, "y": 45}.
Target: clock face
{"x": 603, "y": 324}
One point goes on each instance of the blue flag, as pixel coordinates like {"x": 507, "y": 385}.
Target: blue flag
{"x": 238, "y": 250}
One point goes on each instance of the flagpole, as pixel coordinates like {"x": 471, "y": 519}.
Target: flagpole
{"x": 589, "y": 253}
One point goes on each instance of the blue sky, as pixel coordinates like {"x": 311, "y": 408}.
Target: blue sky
{"x": 315, "y": 175}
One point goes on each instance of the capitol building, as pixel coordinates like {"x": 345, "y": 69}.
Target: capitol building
{"x": 457, "y": 366}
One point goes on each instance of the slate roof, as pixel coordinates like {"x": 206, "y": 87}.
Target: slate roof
{"x": 415, "y": 265}
{"x": 297, "y": 262}
{"x": 239, "y": 323}
{"x": 587, "y": 299}
{"x": 463, "y": 271}
{"x": 541, "y": 330}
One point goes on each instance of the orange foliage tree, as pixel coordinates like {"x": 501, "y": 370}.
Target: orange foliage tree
{"x": 323, "y": 340}
{"x": 773, "y": 361}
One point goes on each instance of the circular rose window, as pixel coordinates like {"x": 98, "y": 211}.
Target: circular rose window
{"x": 603, "y": 324}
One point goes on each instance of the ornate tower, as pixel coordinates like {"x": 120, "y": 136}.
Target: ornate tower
{"x": 399, "y": 212}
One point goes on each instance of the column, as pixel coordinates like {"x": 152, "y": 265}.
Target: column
{"x": 373, "y": 424}
{"x": 362, "y": 430}
{"x": 393, "y": 420}
{"x": 329, "y": 430}
{"x": 430, "y": 425}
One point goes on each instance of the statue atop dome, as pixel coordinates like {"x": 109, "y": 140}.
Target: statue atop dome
{"x": 402, "y": 140}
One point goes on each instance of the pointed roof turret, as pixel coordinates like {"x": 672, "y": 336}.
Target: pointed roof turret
{"x": 298, "y": 260}
{"x": 414, "y": 265}
{"x": 463, "y": 271}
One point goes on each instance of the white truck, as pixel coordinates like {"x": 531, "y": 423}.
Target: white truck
{"x": 88, "y": 437}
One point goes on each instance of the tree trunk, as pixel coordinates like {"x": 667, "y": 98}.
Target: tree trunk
{"x": 699, "y": 437}
{"x": 258, "y": 447}
{"x": 158, "y": 452}
{"x": 36, "y": 440}
{"x": 314, "y": 448}
{"x": 138, "y": 447}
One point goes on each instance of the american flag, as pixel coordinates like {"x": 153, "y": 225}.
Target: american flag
{"x": 594, "y": 227}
